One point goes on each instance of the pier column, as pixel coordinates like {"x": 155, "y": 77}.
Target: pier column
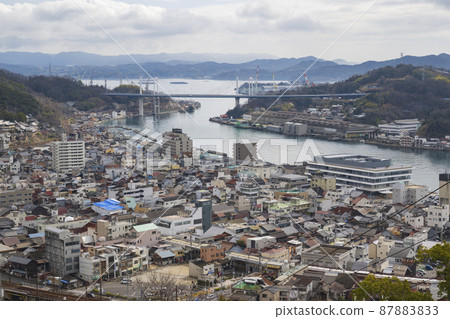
{"x": 141, "y": 106}
{"x": 237, "y": 101}
{"x": 156, "y": 106}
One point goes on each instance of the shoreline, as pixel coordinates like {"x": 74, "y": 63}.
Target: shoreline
{"x": 371, "y": 142}
{"x": 134, "y": 115}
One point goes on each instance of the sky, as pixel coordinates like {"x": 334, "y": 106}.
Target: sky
{"x": 354, "y": 30}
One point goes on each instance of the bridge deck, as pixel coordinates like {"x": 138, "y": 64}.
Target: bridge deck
{"x": 236, "y": 96}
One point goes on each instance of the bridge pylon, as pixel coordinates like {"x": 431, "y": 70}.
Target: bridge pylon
{"x": 141, "y": 106}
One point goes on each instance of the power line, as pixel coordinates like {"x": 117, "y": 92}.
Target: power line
{"x": 390, "y": 217}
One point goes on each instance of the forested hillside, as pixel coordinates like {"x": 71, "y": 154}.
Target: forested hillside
{"x": 20, "y": 96}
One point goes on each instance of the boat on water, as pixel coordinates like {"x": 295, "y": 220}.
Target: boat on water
{"x": 178, "y": 82}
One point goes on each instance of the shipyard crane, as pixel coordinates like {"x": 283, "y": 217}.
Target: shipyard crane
{"x": 308, "y": 83}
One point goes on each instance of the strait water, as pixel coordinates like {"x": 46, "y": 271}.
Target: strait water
{"x": 276, "y": 148}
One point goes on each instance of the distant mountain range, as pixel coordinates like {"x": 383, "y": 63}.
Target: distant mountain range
{"x": 81, "y": 65}
{"x": 83, "y": 58}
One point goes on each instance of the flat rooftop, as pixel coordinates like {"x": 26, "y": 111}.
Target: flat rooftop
{"x": 361, "y": 161}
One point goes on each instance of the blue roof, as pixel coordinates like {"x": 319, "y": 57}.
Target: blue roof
{"x": 109, "y": 205}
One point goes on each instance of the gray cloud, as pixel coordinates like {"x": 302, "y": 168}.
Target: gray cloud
{"x": 282, "y": 27}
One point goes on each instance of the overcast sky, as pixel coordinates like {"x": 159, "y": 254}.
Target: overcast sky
{"x": 283, "y": 28}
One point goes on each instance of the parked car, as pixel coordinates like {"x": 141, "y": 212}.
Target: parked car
{"x": 429, "y": 267}
{"x": 125, "y": 281}
{"x": 421, "y": 273}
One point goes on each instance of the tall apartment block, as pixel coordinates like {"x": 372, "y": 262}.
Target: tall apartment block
{"x": 244, "y": 152}
{"x": 63, "y": 251}
{"x": 68, "y": 155}
{"x": 176, "y": 142}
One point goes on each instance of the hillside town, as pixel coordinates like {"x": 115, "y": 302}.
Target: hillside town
{"x": 104, "y": 215}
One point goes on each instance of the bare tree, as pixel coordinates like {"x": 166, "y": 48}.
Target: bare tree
{"x": 161, "y": 286}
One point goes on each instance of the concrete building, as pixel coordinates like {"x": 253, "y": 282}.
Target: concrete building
{"x": 328, "y": 256}
{"x": 5, "y": 140}
{"x": 380, "y": 248}
{"x": 146, "y": 235}
{"x": 206, "y": 206}
{"x": 363, "y": 172}
{"x": 63, "y": 251}
{"x": 408, "y": 194}
{"x": 261, "y": 170}
{"x": 114, "y": 229}
{"x": 200, "y": 269}
{"x": 260, "y": 242}
{"x": 243, "y": 152}
{"x": 297, "y": 129}
{"x": 292, "y": 180}
{"x": 68, "y": 155}
{"x": 211, "y": 252}
{"x": 176, "y": 143}
{"x": 437, "y": 216}
{"x": 111, "y": 261}
{"x": 324, "y": 181}
{"x": 444, "y": 191}
{"x": 239, "y": 202}
{"x": 397, "y": 127}
{"x": 140, "y": 194}
{"x": 192, "y": 217}
{"x": 89, "y": 267}
{"x": 17, "y": 196}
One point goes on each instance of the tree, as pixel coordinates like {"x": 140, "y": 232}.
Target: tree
{"x": 392, "y": 289}
{"x": 161, "y": 286}
{"x": 439, "y": 255}
{"x": 241, "y": 243}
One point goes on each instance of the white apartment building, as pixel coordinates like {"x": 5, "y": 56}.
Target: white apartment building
{"x": 363, "y": 172}
{"x": 260, "y": 169}
{"x": 437, "y": 216}
{"x": 68, "y": 155}
{"x": 408, "y": 194}
{"x": 198, "y": 215}
{"x": 398, "y": 126}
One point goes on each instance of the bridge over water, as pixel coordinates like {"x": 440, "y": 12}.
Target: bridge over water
{"x": 237, "y": 97}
